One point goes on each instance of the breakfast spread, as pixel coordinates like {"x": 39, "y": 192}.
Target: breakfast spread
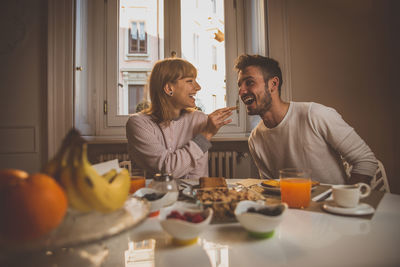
{"x": 223, "y": 200}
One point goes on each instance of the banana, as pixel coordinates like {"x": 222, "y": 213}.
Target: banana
{"x": 67, "y": 175}
{"x": 110, "y": 175}
{"x": 53, "y": 167}
{"x": 119, "y": 187}
{"x": 97, "y": 191}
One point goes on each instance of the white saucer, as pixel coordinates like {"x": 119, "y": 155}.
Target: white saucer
{"x": 361, "y": 209}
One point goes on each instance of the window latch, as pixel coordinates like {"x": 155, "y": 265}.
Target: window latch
{"x": 105, "y": 107}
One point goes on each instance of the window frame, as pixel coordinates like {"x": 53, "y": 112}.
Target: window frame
{"x": 61, "y": 65}
{"x": 234, "y": 25}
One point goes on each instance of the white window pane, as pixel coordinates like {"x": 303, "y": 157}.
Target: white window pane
{"x": 203, "y": 27}
{"x": 142, "y": 32}
{"x": 139, "y": 47}
{"x": 134, "y": 30}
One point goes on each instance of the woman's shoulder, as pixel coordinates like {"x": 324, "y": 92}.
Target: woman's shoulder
{"x": 140, "y": 118}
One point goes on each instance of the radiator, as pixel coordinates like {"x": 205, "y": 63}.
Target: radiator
{"x": 220, "y": 163}
{"x": 111, "y": 156}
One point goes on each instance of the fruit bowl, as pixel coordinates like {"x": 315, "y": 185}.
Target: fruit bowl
{"x": 262, "y": 219}
{"x": 184, "y": 232}
{"x": 80, "y": 228}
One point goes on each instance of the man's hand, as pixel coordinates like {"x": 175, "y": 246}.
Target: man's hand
{"x": 216, "y": 120}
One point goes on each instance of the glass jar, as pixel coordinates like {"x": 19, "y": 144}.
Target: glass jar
{"x": 165, "y": 184}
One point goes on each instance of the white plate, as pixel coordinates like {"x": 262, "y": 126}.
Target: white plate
{"x": 361, "y": 209}
{"x": 186, "y": 190}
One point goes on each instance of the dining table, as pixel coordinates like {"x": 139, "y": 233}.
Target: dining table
{"x": 305, "y": 237}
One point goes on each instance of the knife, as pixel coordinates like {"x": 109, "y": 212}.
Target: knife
{"x": 323, "y": 195}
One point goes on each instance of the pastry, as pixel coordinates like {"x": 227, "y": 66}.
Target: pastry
{"x": 206, "y": 182}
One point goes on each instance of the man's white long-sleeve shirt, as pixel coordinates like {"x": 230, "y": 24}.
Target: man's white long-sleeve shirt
{"x": 311, "y": 136}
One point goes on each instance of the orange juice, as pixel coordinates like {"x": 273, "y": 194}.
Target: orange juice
{"x": 137, "y": 182}
{"x": 296, "y": 192}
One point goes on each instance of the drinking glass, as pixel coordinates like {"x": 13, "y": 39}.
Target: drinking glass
{"x": 138, "y": 180}
{"x": 295, "y": 187}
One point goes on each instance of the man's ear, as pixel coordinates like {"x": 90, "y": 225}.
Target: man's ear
{"x": 274, "y": 84}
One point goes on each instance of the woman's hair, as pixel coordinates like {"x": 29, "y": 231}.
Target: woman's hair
{"x": 166, "y": 71}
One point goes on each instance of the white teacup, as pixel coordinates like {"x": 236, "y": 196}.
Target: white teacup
{"x": 348, "y": 196}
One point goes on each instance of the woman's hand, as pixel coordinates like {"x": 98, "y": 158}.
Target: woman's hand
{"x": 216, "y": 120}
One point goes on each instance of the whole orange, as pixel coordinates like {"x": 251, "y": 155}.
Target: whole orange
{"x": 32, "y": 207}
{"x": 9, "y": 175}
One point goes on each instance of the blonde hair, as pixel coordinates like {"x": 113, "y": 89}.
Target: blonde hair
{"x": 166, "y": 71}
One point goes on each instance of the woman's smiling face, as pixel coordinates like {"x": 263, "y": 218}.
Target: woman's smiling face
{"x": 184, "y": 91}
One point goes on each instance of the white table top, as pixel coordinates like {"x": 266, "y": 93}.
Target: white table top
{"x": 303, "y": 239}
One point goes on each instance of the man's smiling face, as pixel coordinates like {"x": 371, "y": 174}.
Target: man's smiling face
{"x": 253, "y": 91}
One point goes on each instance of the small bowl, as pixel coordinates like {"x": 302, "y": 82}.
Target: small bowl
{"x": 184, "y": 232}
{"x": 259, "y": 225}
{"x": 155, "y": 205}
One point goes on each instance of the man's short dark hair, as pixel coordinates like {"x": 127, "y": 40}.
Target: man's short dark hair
{"x": 268, "y": 66}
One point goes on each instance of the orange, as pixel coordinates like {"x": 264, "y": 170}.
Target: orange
{"x": 10, "y": 175}
{"x": 31, "y": 207}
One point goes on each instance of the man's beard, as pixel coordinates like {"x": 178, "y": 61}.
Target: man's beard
{"x": 266, "y": 104}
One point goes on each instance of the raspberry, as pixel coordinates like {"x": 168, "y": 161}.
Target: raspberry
{"x": 187, "y": 216}
{"x": 197, "y": 218}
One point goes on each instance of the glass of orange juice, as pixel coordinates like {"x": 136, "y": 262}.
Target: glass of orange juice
{"x": 295, "y": 187}
{"x": 138, "y": 180}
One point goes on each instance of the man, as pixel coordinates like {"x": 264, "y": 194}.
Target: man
{"x": 298, "y": 134}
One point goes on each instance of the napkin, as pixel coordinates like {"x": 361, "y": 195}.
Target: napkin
{"x": 104, "y": 167}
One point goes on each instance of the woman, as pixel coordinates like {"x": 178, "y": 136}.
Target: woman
{"x": 171, "y": 135}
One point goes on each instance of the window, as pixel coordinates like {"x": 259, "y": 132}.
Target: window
{"x": 136, "y": 35}
{"x": 137, "y": 38}
{"x": 135, "y": 97}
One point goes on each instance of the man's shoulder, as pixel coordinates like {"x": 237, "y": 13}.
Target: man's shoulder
{"x": 312, "y": 108}
{"x": 259, "y": 129}
{"x": 320, "y": 110}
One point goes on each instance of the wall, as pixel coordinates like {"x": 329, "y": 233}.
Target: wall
{"x": 23, "y": 86}
{"x": 344, "y": 54}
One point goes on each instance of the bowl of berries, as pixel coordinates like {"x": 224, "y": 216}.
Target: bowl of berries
{"x": 184, "y": 224}
{"x": 259, "y": 219}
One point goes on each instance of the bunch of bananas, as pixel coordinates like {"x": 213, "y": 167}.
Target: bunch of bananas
{"x": 86, "y": 189}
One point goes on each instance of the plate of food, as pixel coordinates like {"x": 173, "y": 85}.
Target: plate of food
{"x": 273, "y": 185}
{"x": 217, "y": 194}
{"x": 190, "y": 189}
